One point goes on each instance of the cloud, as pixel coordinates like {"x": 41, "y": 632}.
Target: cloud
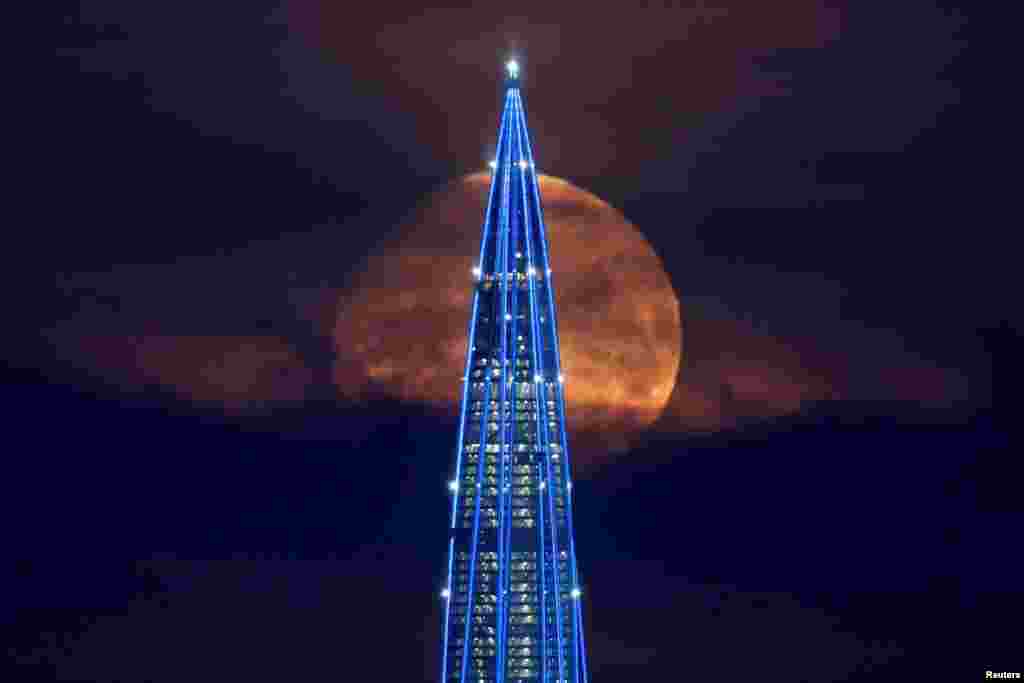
{"x": 237, "y": 374}
{"x": 734, "y": 371}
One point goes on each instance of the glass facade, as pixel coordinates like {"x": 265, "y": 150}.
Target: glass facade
{"x": 511, "y": 601}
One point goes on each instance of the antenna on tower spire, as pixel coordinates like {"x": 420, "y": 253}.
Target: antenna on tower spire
{"x": 512, "y": 69}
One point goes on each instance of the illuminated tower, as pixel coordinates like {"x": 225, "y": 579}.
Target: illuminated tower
{"x": 511, "y": 599}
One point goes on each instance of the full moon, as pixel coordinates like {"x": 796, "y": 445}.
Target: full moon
{"x": 402, "y": 322}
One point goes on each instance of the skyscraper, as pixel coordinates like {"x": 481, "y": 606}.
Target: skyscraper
{"x": 512, "y": 611}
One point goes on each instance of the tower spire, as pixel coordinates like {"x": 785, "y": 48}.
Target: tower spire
{"x": 512, "y": 611}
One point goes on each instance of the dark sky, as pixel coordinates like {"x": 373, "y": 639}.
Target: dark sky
{"x": 205, "y": 175}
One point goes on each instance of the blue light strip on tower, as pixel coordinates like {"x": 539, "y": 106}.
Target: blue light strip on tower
{"x": 536, "y": 340}
{"x": 459, "y": 442}
{"x": 547, "y": 495}
{"x": 560, "y": 406}
{"x": 505, "y": 226}
{"x": 471, "y": 592}
{"x": 481, "y": 460}
{"x": 505, "y": 497}
{"x": 582, "y": 675}
{"x": 580, "y": 653}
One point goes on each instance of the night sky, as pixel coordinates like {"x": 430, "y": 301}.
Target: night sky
{"x": 829, "y": 495}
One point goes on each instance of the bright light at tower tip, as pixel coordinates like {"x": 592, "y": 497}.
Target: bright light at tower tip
{"x": 575, "y": 592}
{"x": 512, "y": 66}
{"x": 453, "y": 486}
{"x": 445, "y": 593}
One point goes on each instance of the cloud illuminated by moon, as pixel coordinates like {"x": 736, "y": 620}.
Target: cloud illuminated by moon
{"x": 398, "y": 331}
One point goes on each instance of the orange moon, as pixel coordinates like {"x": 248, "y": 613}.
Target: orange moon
{"x": 402, "y": 322}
